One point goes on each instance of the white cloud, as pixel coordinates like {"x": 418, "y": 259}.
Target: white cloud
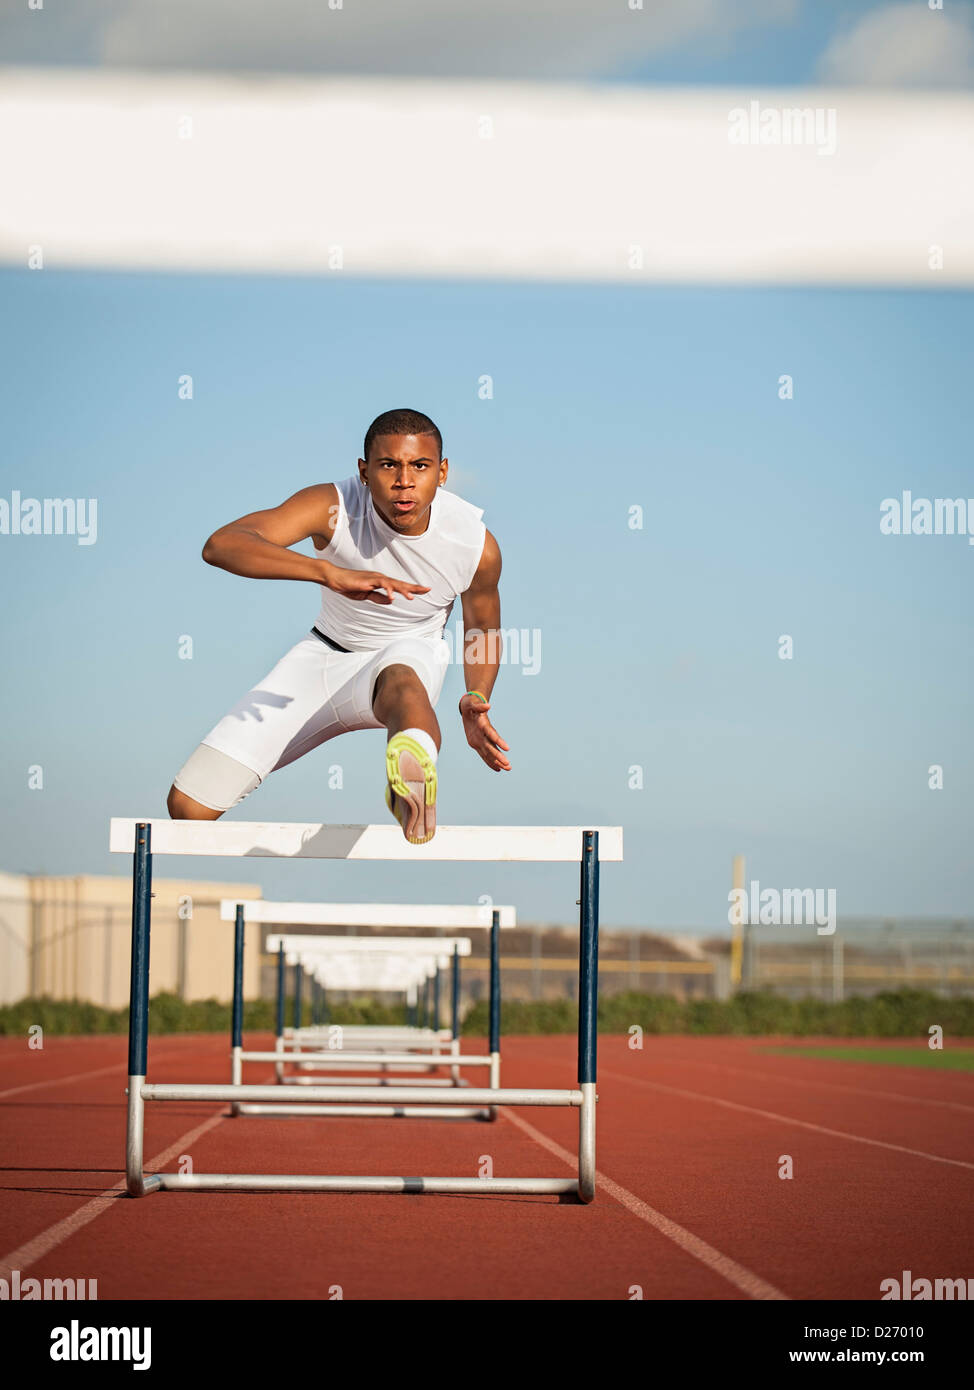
{"x": 559, "y": 39}
{"x": 904, "y": 45}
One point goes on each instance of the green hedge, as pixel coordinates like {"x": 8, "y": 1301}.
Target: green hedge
{"x": 170, "y": 1014}
{"x": 904, "y": 1013}
{"x": 900, "y": 1014}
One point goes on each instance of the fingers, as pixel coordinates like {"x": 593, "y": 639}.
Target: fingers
{"x": 488, "y": 729}
{"x": 383, "y": 589}
{"x": 489, "y": 750}
{"x": 483, "y": 737}
{"x": 400, "y": 586}
{"x": 496, "y": 739}
{"x": 496, "y": 762}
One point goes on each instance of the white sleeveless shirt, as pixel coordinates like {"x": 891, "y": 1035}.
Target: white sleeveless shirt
{"x": 445, "y": 557}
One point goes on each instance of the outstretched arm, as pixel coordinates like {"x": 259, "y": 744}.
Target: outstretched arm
{"x": 482, "y": 649}
{"x": 258, "y": 546}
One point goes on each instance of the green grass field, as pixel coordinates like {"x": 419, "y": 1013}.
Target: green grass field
{"x": 958, "y": 1059}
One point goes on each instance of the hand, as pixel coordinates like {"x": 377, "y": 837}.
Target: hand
{"x": 481, "y": 734}
{"x": 369, "y": 584}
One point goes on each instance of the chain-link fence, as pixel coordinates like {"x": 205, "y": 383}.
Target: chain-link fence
{"x": 864, "y": 955}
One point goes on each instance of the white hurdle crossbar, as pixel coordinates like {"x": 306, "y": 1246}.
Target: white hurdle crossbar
{"x": 524, "y": 844}
{"x": 434, "y": 915}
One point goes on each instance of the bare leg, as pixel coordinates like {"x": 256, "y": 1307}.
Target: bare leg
{"x": 400, "y": 701}
{"x": 183, "y": 807}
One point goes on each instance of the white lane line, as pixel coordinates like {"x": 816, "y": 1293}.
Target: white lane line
{"x": 665, "y": 1059}
{"x": 828, "y": 1085}
{"x": 83, "y": 1075}
{"x": 55, "y": 1235}
{"x": 751, "y": 1284}
{"x": 786, "y": 1119}
{"x": 62, "y": 1080}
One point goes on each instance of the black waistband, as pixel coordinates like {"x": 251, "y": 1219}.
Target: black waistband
{"x": 329, "y": 642}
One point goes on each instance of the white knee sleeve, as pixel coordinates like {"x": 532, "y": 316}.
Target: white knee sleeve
{"x": 214, "y": 779}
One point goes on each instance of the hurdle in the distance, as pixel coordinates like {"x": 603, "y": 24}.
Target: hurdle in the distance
{"x": 437, "y": 916}
{"x": 328, "y": 969}
{"x": 384, "y": 963}
{"x": 380, "y": 968}
{"x": 537, "y": 844}
{"x": 341, "y": 972}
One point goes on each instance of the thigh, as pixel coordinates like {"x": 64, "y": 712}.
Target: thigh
{"x": 428, "y": 659}
{"x": 342, "y": 707}
{"x": 290, "y": 709}
{"x": 350, "y": 682}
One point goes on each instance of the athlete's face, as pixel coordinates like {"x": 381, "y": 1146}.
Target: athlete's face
{"x": 402, "y": 474}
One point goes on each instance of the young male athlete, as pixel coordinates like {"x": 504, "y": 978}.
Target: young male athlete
{"x": 393, "y": 550}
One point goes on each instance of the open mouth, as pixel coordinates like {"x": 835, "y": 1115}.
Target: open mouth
{"x": 404, "y": 506}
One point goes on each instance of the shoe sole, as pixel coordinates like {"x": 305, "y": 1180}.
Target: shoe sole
{"x": 411, "y": 788}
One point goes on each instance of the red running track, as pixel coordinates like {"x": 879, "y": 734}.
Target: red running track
{"x": 691, "y": 1135}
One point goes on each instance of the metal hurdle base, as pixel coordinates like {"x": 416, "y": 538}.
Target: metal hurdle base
{"x": 282, "y": 1182}
{"x": 397, "y": 1080}
{"x": 140, "y": 1184}
{"x": 371, "y": 1112}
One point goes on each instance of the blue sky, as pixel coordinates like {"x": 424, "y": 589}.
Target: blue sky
{"x": 659, "y": 646}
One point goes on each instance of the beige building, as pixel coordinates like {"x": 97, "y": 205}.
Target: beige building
{"x": 70, "y": 938}
{"x": 15, "y": 917}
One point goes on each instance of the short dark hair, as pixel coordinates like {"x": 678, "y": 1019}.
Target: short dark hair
{"x": 402, "y": 422}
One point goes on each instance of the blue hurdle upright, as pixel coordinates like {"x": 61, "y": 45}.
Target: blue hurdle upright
{"x": 538, "y": 844}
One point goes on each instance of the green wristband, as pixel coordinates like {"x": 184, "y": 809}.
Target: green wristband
{"x": 477, "y": 692}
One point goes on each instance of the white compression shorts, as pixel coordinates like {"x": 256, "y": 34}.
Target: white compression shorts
{"x": 312, "y": 695}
